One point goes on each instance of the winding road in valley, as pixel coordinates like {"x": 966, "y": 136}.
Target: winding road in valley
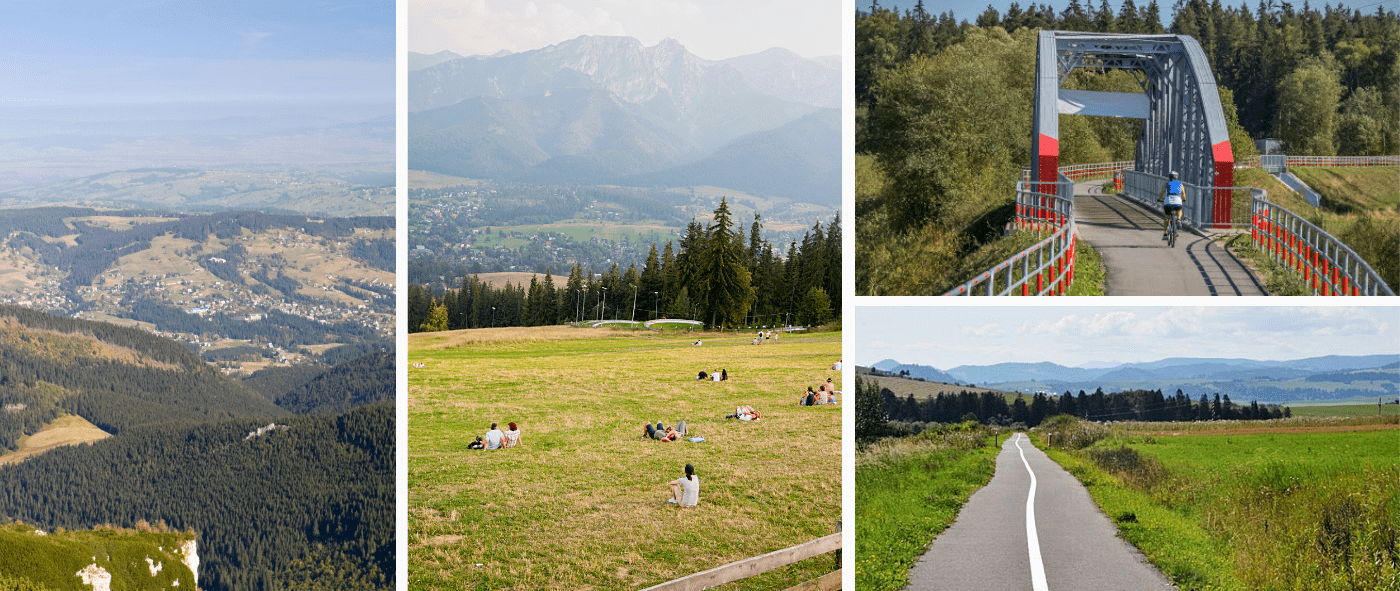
{"x": 1033, "y": 526}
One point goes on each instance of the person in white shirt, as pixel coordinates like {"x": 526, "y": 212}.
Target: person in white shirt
{"x": 685, "y": 491}
{"x": 494, "y": 437}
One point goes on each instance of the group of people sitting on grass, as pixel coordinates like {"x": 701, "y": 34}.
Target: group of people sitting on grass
{"x": 497, "y": 439}
{"x": 823, "y": 394}
{"x": 718, "y": 376}
{"x": 764, "y": 336}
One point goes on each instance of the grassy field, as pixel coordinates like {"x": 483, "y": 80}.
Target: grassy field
{"x": 581, "y": 504}
{"x": 910, "y": 489}
{"x": 64, "y": 430}
{"x": 1263, "y": 505}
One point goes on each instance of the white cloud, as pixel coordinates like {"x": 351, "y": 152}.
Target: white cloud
{"x": 988, "y": 330}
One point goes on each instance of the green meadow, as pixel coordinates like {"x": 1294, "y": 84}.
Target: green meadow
{"x": 581, "y": 503}
{"x": 908, "y": 490}
{"x": 1259, "y": 507}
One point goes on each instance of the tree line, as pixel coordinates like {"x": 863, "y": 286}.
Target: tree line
{"x": 877, "y": 406}
{"x": 715, "y": 274}
{"x": 1326, "y": 81}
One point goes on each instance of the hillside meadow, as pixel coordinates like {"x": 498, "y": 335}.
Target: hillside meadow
{"x": 581, "y": 503}
{"x": 1289, "y": 504}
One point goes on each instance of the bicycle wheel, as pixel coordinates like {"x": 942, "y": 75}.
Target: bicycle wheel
{"x": 1171, "y": 233}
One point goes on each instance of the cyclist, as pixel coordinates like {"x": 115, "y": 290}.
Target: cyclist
{"x": 1171, "y": 201}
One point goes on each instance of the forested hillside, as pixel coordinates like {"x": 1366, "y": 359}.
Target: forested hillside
{"x": 315, "y": 494}
{"x": 943, "y": 113}
{"x": 718, "y": 274}
{"x": 363, "y": 380}
{"x": 115, "y": 377}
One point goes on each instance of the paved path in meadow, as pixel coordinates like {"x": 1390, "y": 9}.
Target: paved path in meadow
{"x": 1069, "y": 545}
{"x": 1137, "y": 261}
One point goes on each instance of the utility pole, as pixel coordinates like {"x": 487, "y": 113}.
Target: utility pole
{"x": 634, "y": 304}
{"x": 603, "y": 305}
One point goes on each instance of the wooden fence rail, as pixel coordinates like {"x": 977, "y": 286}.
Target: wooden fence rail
{"x": 757, "y": 565}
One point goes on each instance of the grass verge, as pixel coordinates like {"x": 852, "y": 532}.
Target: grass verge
{"x": 581, "y": 504}
{"x": 1277, "y": 279}
{"x": 1089, "y": 273}
{"x": 908, "y": 490}
{"x": 1251, "y": 508}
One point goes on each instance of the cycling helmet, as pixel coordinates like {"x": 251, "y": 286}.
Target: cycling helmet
{"x": 1173, "y": 175}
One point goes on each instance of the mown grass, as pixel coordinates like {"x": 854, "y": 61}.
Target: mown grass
{"x": 581, "y": 505}
{"x": 910, "y": 489}
{"x": 1250, "y": 508}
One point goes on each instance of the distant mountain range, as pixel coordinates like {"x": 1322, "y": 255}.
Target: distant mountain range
{"x": 1320, "y": 378}
{"x": 608, "y": 110}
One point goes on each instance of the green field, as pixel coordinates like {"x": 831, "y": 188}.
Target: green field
{"x": 1258, "y": 507}
{"x": 581, "y": 504}
{"x": 910, "y": 489}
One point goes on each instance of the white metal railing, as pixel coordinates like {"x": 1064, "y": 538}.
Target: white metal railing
{"x": 1276, "y": 160}
{"x": 1049, "y": 264}
{"x": 1082, "y": 172}
{"x": 1218, "y": 207}
{"x": 1326, "y": 265}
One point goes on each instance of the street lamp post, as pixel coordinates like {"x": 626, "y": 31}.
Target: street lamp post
{"x": 604, "y": 305}
{"x": 493, "y": 317}
{"x": 654, "y": 300}
{"x": 634, "y": 303}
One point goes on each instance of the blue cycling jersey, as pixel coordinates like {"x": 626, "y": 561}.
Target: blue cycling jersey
{"x": 1174, "y": 187}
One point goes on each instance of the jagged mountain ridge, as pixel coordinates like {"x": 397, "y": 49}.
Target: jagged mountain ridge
{"x": 651, "y": 109}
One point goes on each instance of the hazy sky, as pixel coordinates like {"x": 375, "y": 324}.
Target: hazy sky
{"x": 711, "y": 29}
{"x": 949, "y": 336}
{"x": 116, "y": 51}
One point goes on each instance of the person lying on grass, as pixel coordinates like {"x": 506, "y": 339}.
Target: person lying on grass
{"x": 512, "y": 437}
{"x": 476, "y": 444}
{"x": 685, "y": 491}
{"x": 744, "y": 413}
{"x": 663, "y": 433}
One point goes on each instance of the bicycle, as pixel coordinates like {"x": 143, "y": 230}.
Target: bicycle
{"x": 1171, "y": 231}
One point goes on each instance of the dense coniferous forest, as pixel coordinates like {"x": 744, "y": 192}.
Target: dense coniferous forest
{"x": 718, "y": 274}
{"x": 364, "y": 380}
{"x": 310, "y": 499}
{"x": 315, "y": 484}
{"x": 273, "y": 381}
{"x": 992, "y": 408}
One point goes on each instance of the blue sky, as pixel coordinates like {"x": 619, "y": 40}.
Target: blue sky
{"x": 946, "y": 336}
{"x": 112, "y": 51}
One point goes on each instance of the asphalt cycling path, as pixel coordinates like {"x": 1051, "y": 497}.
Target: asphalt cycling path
{"x": 1137, "y": 261}
{"x": 993, "y": 545}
